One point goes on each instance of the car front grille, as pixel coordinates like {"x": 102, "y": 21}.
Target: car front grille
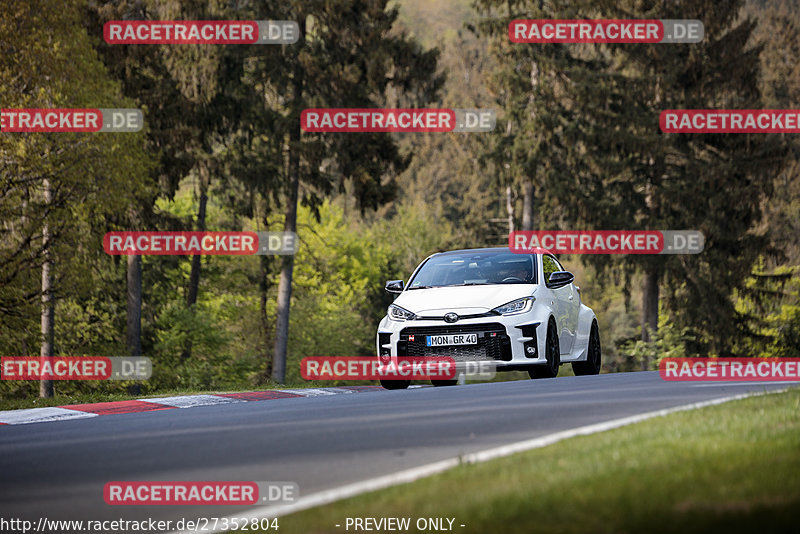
{"x": 493, "y": 342}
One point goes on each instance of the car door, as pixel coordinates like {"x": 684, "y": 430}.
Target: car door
{"x": 566, "y": 305}
{"x": 573, "y": 309}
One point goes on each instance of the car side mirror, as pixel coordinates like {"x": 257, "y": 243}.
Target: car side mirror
{"x": 560, "y": 279}
{"x": 394, "y": 286}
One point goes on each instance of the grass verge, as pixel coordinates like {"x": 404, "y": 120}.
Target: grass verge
{"x": 732, "y": 468}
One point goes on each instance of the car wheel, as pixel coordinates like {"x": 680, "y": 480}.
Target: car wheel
{"x": 552, "y": 354}
{"x": 442, "y": 383}
{"x": 592, "y": 364}
{"x": 395, "y": 384}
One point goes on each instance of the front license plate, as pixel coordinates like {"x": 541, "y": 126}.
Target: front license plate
{"x": 452, "y": 339}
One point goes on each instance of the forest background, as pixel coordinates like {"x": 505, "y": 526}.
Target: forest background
{"x": 577, "y": 146}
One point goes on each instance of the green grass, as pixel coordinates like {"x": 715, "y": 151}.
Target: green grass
{"x": 732, "y": 468}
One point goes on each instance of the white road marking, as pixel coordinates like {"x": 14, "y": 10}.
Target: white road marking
{"x": 190, "y": 401}
{"x": 41, "y": 415}
{"x": 759, "y": 383}
{"x": 317, "y": 392}
{"x": 416, "y": 473}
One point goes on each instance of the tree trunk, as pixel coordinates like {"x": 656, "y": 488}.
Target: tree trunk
{"x": 527, "y": 205}
{"x": 650, "y": 304}
{"x": 510, "y": 209}
{"x": 649, "y": 308}
{"x": 265, "y": 333}
{"x": 289, "y": 225}
{"x": 194, "y": 275}
{"x": 287, "y": 269}
{"x": 48, "y": 300}
{"x": 134, "y": 327}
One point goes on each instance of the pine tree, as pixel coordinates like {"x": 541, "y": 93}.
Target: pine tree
{"x": 714, "y": 183}
{"x": 347, "y": 56}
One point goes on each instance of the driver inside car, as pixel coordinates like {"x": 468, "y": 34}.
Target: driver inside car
{"x": 514, "y": 272}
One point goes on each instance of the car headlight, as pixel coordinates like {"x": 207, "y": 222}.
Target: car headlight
{"x": 515, "y": 306}
{"x": 399, "y": 314}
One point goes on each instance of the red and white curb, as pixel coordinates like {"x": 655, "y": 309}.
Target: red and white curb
{"x": 83, "y": 411}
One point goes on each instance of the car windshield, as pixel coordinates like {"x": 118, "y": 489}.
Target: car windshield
{"x": 475, "y": 268}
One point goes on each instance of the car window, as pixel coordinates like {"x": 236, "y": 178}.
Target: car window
{"x": 475, "y": 268}
{"x": 549, "y": 266}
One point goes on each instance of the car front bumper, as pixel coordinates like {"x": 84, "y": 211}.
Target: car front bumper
{"x": 508, "y": 341}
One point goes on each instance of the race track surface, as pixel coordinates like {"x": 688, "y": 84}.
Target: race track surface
{"x": 58, "y": 469}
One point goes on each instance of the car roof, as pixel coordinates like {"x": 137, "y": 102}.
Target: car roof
{"x": 475, "y": 250}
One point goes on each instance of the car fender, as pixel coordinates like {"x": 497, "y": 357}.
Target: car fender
{"x": 585, "y": 319}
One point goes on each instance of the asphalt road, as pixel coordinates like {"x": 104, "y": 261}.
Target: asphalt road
{"x": 58, "y": 469}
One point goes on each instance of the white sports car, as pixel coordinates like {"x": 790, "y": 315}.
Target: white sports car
{"x": 518, "y": 311}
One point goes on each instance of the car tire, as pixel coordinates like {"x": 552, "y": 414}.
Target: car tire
{"x": 395, "y": 384}
{"x": 443, "y": 383}
{"x": 593, "y": 354}
{"x": 552, "y": 354}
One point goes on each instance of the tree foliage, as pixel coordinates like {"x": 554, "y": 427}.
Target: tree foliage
{"x": 578, "y": 122}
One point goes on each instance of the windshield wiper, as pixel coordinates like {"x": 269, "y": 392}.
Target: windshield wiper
{"x": 452, "y": 285}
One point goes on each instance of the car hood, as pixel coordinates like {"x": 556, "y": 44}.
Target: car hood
{"x": 463, "y": 299}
